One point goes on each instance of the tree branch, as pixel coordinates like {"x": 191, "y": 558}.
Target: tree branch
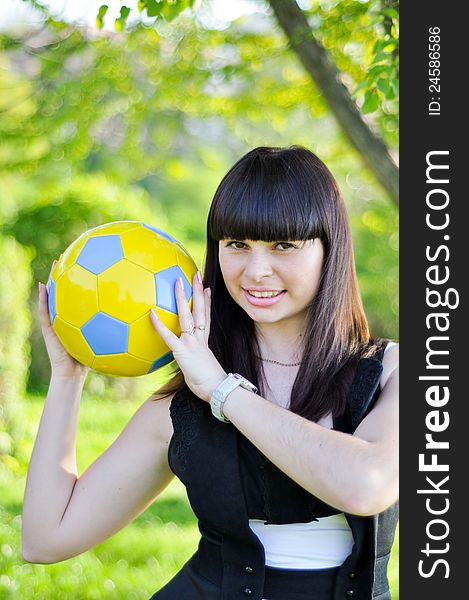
{"x": 326, "y": 76}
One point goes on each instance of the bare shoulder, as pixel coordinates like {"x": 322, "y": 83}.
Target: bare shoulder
{"x": 390, "y": 363}
{"x": 155, "y": 419}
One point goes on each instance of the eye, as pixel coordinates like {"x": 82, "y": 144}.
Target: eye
{"x": 233, "y": 245}
{"x": 287, "y": 244}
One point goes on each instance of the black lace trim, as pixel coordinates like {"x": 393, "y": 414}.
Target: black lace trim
{"x": 365, "y": 385}
{"x": 266, "y": 502}
{"x": 184, "y": 414}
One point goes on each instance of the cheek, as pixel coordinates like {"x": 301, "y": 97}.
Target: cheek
{"x": 305, "y": 278}
{"x": 230, "y": 271}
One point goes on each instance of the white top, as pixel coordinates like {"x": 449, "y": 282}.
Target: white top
{"x": 320, "y": 544}
{"x": 390, "y": 345}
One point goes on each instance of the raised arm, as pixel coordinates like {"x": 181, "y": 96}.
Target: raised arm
{"x": 357, "y": 473}
{"x": 64, "y": 514}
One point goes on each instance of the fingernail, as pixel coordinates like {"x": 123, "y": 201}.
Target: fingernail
{"x": 181, "y": 284}
{"x": 199, "y": 277}
{"x": 153, "y": 312}
{"x": 39, "y": 286}
{"x": 209, "y": 292}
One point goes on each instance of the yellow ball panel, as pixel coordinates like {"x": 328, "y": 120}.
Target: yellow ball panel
{"x": 144, "y": 247}
{"x": 69, "y": 257}
{"x": 126, "y": 291}
{"x": 118, "y": 227}
{"x": 187, "y": 265}
{"x": 73, "y": 341}
{"x": 76, "y": 295}
{"x": 145, "y": 342}
{"x": 121, "y": 365}
{"x": 170, "y": 319}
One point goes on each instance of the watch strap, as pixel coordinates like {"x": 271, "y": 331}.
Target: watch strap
{"x": 219, "y": 395}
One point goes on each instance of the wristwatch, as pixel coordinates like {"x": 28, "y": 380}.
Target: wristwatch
{"x": 219, "y": 395}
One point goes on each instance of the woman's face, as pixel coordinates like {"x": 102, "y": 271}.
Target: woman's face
{"x": 271, "y": 281}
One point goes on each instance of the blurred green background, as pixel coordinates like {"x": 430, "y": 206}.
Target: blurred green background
{"x": 139, "y": 120}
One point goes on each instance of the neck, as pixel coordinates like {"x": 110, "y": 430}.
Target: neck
{"x": 282, "y": 342}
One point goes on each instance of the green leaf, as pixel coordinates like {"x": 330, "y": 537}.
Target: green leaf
{"x": 371, "y": 101}
{"x": 125, "y": 11}
{"x": 100, "y": 16}
{"x": 379, "y": 45}
{"x": 392, "y": 13}
{"x": 361, "y": 86}
{"x": 377, "y": 70}
{"x": 154, "y": 8}
{"x": 120, "y": 22}
{"x": 385, "y": 87}
{"x": 382, "y": 56}
{"x": 390, "y": 46}
{"x": 172, "y": 9}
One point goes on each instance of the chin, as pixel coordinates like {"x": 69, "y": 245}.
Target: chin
{"x": 264, "y": 318}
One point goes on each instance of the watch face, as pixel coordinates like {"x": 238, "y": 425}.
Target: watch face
{"x": 247, "y": 385}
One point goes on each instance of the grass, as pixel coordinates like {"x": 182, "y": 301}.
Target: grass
{"x": 135, "y": 562}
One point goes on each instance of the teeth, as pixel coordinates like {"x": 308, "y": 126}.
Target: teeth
{"x": 264, "y": 294}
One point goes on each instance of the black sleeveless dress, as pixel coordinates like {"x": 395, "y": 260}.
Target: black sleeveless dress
{"x": 229, "y": 481}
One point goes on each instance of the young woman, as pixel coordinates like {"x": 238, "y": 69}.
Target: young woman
{"x": 281, "y": 420}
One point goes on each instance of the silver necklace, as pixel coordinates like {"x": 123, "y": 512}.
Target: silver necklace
{"x": 276, "y": 362}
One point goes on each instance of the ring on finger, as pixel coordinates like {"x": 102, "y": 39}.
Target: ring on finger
{"x": 201, "y": 327}
{"x": 190, "y": 330}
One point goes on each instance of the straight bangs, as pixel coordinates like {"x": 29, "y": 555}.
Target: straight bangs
{"x": 267, "y": 201}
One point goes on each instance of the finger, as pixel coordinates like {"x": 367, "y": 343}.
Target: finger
{"x": 51, "y": 269}
{"x": 43, "y": 307}
{"x": 207, "y": 294}
{"x": 198, "y": 301}
{"x": 168, "y": 337}
{"x": 184, "y": 312}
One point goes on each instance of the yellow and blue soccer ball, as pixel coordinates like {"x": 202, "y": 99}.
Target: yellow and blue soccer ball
{"x": 101, "y": 292}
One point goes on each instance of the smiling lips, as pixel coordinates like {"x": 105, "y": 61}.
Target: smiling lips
{"x": 263, "y": 297}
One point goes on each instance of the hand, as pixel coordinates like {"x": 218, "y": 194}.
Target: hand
{"x": 62, "y": 363}
{"x": 202, "y": 371}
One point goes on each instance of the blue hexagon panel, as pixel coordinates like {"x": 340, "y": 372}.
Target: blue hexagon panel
{"x": 165, "y": 293}
{"x": 51, "y": 300}
{"x": 162, "y": 233}
{"x": 161, "y": 362}
{"x": 101, "y": 252}
{"x": 106, "y": 335}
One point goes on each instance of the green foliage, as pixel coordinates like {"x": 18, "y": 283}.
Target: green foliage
{"x": 382, "y": 80}
{"x": 161, "y": 9}
{"x": 99, "y": 127}
{"x": 119, "y": 23}
{"x": 15, "y": 326}
{"x": 376, "y": 226}
{"x": 100, "y": 100}
{"x": 362, "y": 37}
{"x": 100, "y": 16}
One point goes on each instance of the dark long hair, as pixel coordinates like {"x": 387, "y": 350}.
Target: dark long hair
{"x": 274, "y": 194}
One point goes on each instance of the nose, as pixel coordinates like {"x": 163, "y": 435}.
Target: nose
{"x": 258, "y": 267}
